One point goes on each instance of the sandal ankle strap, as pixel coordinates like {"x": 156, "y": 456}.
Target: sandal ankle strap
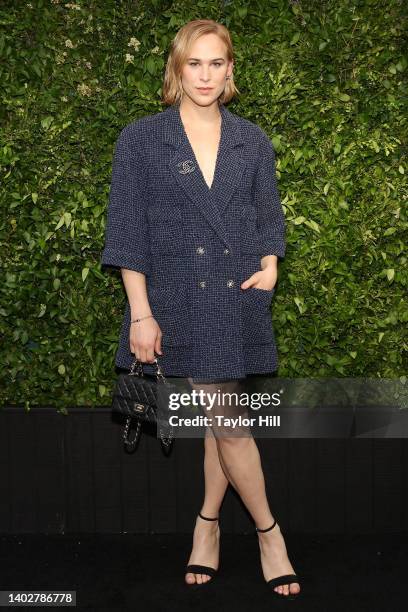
{"x": 267, "y": 529}
{"x": 208, "y": 519}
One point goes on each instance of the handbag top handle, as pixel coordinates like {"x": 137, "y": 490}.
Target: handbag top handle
{"x": 137, "y": 369}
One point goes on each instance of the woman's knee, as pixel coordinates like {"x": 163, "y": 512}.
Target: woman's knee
{"x": 232, "y": 443}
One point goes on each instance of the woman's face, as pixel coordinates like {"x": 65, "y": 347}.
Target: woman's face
{"x": 206, "y": 66}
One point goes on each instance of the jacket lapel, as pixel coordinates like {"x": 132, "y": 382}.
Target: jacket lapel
{"x": 228, "y": 170}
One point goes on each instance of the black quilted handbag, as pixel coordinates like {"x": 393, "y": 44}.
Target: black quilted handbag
{"x": 143, "y": 398}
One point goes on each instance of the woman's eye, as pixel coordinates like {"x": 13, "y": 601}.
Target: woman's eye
{"x": 196, "y": 64}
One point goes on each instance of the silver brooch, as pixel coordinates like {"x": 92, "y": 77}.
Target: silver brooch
{"x": 185, "y": 167}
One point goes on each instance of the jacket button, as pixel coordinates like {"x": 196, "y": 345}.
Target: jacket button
{"x": 230, "y": 283}
{"x": 202, "y": 284}
{"x": 200, "y": 250}
{"x": 226, "y": 251}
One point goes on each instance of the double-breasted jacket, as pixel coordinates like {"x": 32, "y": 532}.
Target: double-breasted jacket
{"x": 196, "y": 244}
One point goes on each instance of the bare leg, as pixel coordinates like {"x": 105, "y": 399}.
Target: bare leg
{"x": 240, "y": 461}
{"x": 206, "y": 536}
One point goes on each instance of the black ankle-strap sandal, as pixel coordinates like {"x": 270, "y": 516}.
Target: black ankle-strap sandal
{"x": 281, "y": 580}
{"x": 201, "y": 569}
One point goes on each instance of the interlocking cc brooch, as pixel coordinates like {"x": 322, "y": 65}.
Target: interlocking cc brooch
{"x": 186, "y": 166}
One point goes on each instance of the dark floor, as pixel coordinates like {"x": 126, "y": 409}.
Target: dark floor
{"x": 143, "y": 573}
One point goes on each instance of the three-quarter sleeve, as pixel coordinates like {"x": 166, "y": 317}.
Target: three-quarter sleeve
{"x": 126, "y": 234}
{"x": 270, "y": 217}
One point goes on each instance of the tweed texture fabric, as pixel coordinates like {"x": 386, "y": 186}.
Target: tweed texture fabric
{"x": 197, "y": 244}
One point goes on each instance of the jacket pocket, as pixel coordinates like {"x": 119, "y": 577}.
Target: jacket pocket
{"x": 256, "y": 316}
{"x": 168, "y": 306}
{"x": 166, "y": 230}
{"x": 250, "y": 238}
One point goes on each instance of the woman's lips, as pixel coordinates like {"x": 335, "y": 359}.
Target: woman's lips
{"x": 204, "y": 89}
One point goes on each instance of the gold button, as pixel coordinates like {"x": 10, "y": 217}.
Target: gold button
{"x": 230, "y": 283}
{"x": 202, "y": 284}
{"x": 226, "y": 251}
{"x": 200, "y": 250}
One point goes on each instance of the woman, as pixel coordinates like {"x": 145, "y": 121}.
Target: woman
{"x": 196, "y": 226}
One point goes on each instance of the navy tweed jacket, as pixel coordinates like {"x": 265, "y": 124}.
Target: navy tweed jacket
{"x": 196, "y": 244}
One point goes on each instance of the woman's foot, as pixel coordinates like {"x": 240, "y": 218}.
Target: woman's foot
{"x": 274, "y": 560}
{"x": 206, "y": 548}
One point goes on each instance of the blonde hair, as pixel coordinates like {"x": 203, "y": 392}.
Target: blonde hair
{"x": 172, "y": 89}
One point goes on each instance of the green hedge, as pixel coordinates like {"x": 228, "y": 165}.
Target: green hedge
{"x": 326, "y": 80}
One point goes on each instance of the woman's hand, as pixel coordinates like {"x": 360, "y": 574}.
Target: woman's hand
{"x": 263, "y": 279}
{"x": 145, "y": 339}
